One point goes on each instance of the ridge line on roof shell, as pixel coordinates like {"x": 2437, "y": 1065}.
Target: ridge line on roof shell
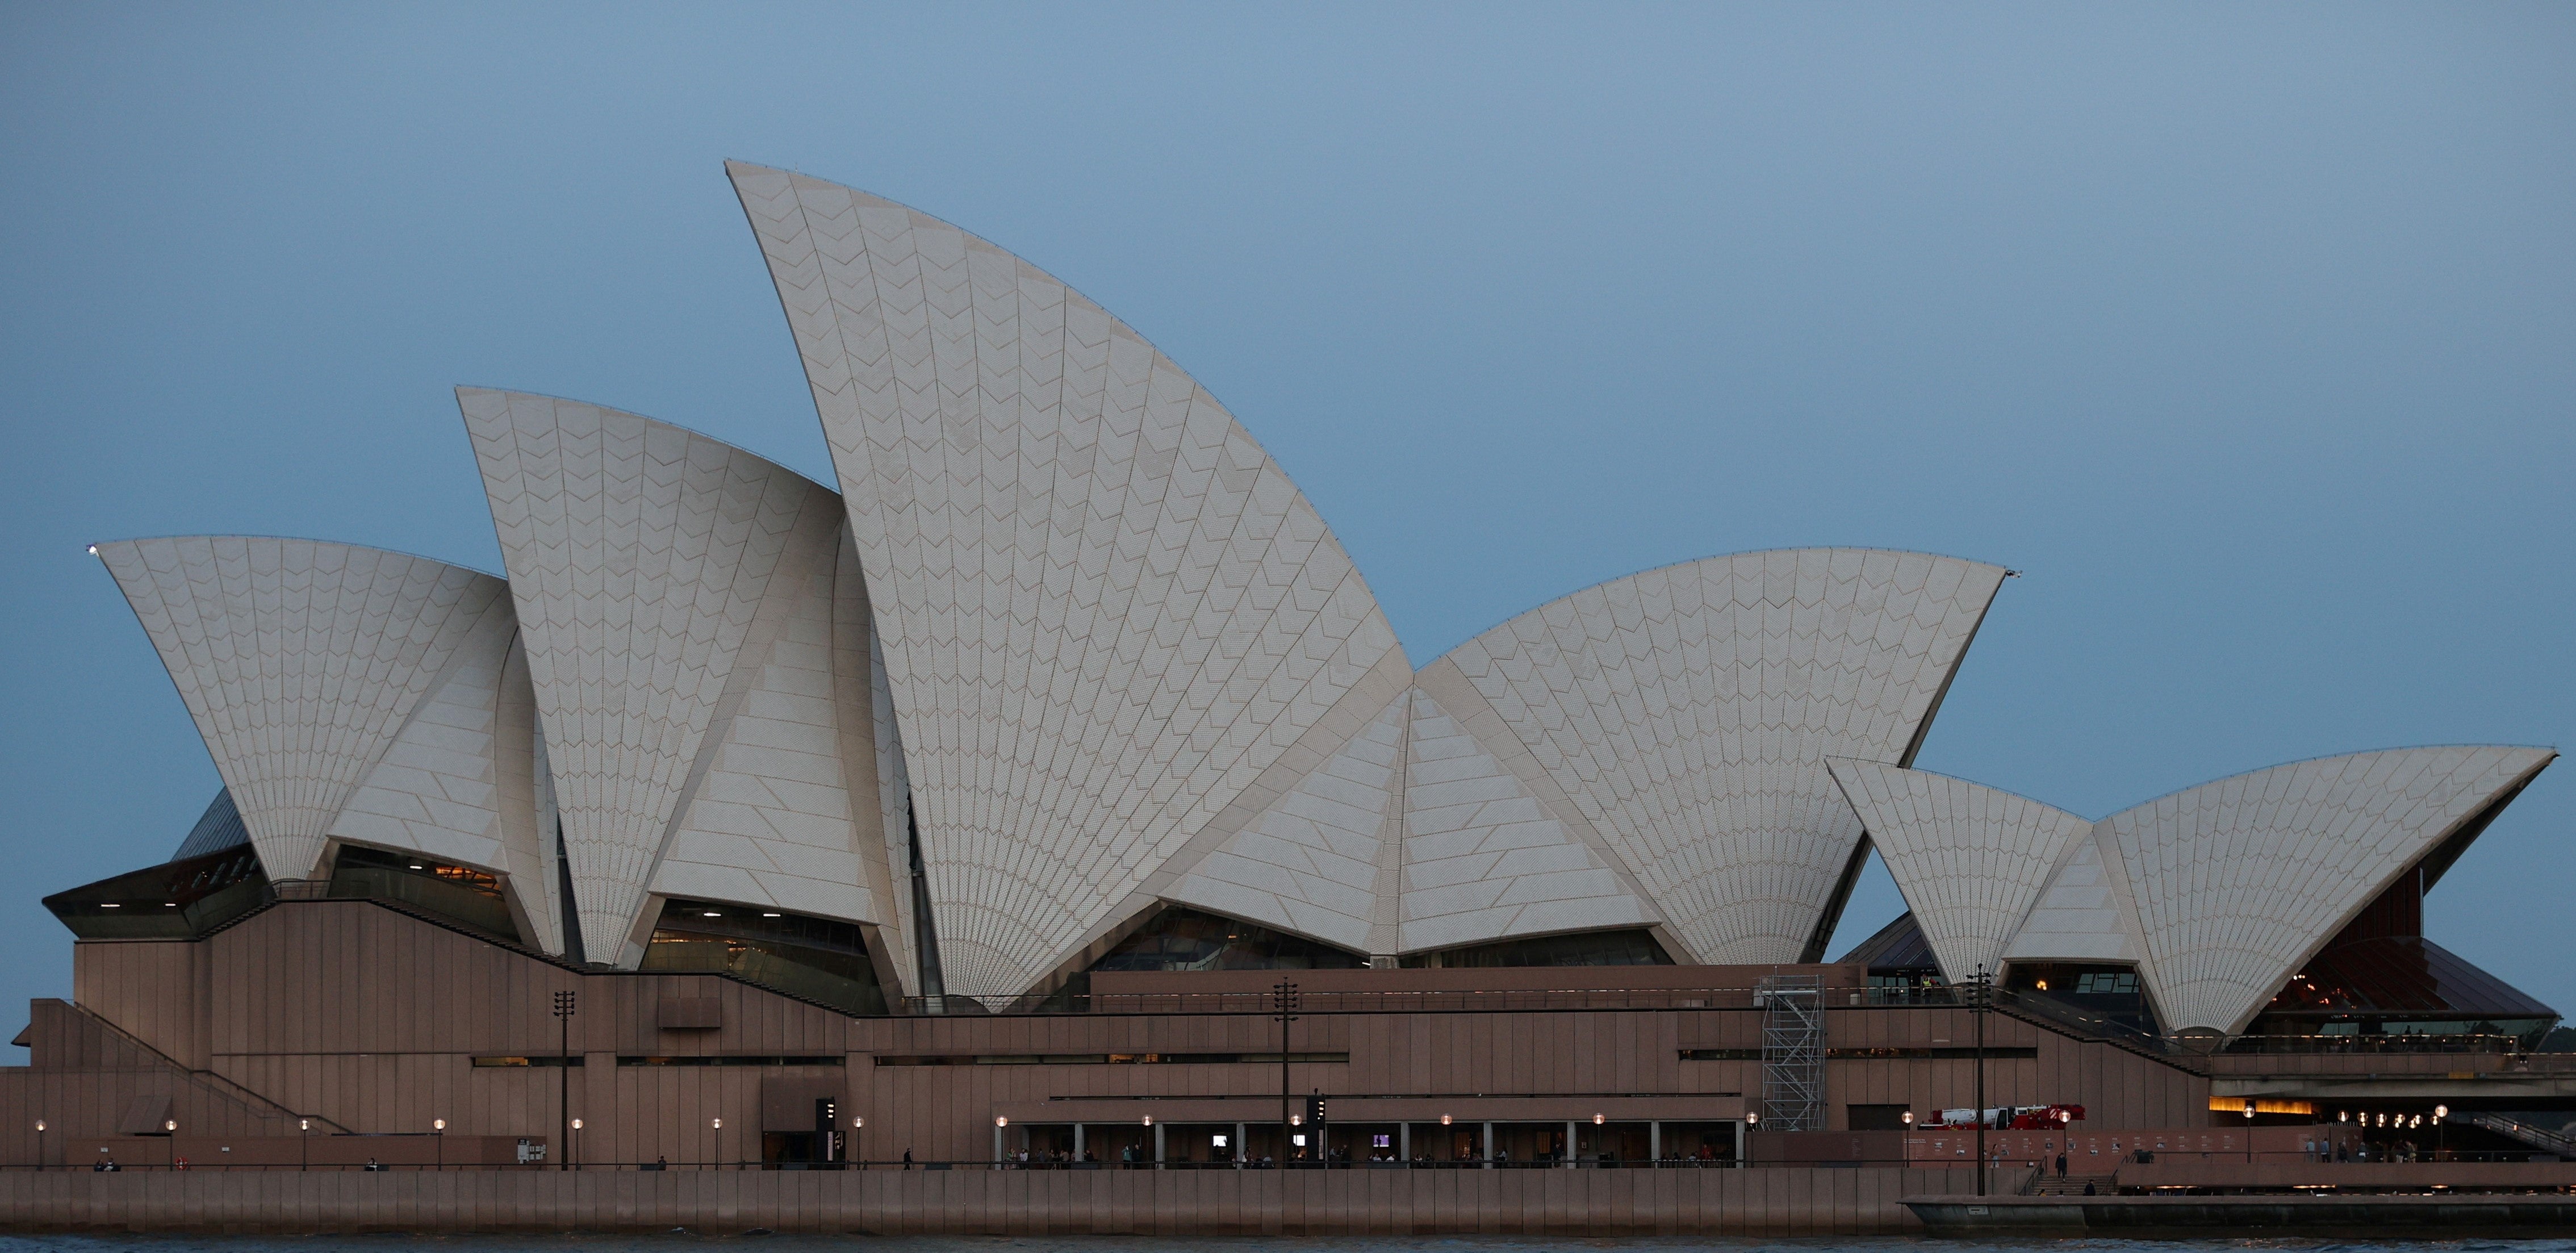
{"x": 299, "y": 539}
{"x": 1105, "y": 608}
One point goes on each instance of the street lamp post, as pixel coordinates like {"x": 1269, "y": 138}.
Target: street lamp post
{"x": 1977, "y": 1008}
{"x": 439, "y": 1125}
{"x": 715, "y": 1141}
{"x": 2249, "y": 1133}
{"x": 859, "y": 1141}
{"x": 304, "y": 1143}
{"x": 1905, "y": 1140}
{"x": 566, "y": 1005}
{"x": 2440, "y": 1113}
{"x": 572, "y": 1145}
{"x": 40, "y": 1144}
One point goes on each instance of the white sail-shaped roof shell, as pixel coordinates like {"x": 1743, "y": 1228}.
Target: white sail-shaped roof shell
{"x": 1106, "y": 613}
{"x": 2238, "y": 882}
{"x": 678, "y": 600}
{"x": 301, "y": 661}
{"x": 1687, "y": 713}
{"x": 1970, "y": 860}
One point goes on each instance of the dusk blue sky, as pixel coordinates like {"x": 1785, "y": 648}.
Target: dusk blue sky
{"x": 2248, "y": 332}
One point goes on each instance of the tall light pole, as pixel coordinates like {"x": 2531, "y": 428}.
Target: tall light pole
{"x": 1905, "y": 1140}
{"x": 572, "y": 1148}
{"x": 1284, "y": 996}
{"x": 859, "y": 1140}
{"x": 566, "y": 1005}
{"x": 2440, "y": 1112}
{"x": 40, "y": 1144}
{"x": 304, "y": 1143}
{"x": 1977, "y": 989}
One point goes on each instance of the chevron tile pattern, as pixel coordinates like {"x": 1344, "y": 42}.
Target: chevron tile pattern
{"x": 1105, "y": 610}
{"x": 638, "y": 554}
{"x": 2239, "y": 881}
{"x": 300, "y": 661}
{"x": 771, "y": 822}
{"x": 1309, "y": 863}
{"x": 2085, "y": 914}
{"x": 1971, "y": 860}
{"x": 1688, "y": 711}
{"x": 1483, "y": 858}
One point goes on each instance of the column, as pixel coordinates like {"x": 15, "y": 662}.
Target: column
{"x": 1404, "y": 1141}
{"x": 1077, "y": 1142}
{"x": 1489, "y": 1146}
{"x": 1655, "y": 1141}
{"x": 1569, "y": 1144}
{"x": 1158, "y": 1146}
{"x": 997, "y": 1144}
{"x": 1238, "y": 1146}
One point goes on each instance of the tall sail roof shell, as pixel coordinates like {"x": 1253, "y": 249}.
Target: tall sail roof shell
{"x": 640, "y": 555}
{"x": 1105, "y": 611}
{"x": 2239, "y": 881}
{"x": 300, "y": 661}
{"x": 1688, "y": 712}
{"x": 1969, "y": 859}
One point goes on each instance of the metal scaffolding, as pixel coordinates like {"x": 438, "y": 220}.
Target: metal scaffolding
{"x": 1793, "y": 1052}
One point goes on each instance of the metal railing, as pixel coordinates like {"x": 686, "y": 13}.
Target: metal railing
{"x": 2558, "y": 1142}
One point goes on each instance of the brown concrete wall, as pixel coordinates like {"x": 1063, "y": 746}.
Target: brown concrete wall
{"x": 371, "y": 1019}
{"x": 1719, "y": 1203}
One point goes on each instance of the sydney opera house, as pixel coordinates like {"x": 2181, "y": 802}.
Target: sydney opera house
{"x": 973, "y": 804}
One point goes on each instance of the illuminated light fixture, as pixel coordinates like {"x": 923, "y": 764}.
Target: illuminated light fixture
{"x": 171, "y": 1125}
{"x": 169, "y": 904}
{"x": 301, "y": 1124}
{"x": 1001, "y": 1122}
{"x": 576, "y": 1124}
{"x": 769, "y": 915}
{"x": 1149, "y": 1120}
{"x": 93, "y": 550}
{"x": 716, "y": 1124}
{"x": 40, "y": 1124}
{"x": 857, "y": 1122}
{"x": 2343, "y": 1115}
{"x": 1908, "y": 1116}
{"x": 1597, "y": 1120}
{"x": 2441, "y": 1112}
{"x": 1752, "y": 1119}
{"x": 713, "y": 914}
{"x": 1444, "y": 1120}
{"x": 2249, "y": 1109}
{"x": 109, "y": 905}
{"x": 2043, "y": 985}
{"x": 418, "y": 866}
{"x": 1296, "y": 1120}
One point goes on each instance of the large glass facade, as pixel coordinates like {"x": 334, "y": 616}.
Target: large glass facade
{"x": 462, "y": 895}
{"x": 1634, "y": 947}
{"x": 2396, "y": 993}
{"x": 176, "y": 900}
{"x": 1188, "y": 939}
{"x": 2107, "y": 995}
{"x": 818, "y": 959}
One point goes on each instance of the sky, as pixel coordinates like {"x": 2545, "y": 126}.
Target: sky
{"x": 2246, "y": 332}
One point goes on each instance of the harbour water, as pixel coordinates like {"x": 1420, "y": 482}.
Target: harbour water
{"x": 678, "y": 1241}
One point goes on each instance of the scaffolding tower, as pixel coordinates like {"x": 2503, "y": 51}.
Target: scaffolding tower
{"x": 1793, "y": 1052}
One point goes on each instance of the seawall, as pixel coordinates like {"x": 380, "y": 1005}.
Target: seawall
{"x": 1760, "y": 1202}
